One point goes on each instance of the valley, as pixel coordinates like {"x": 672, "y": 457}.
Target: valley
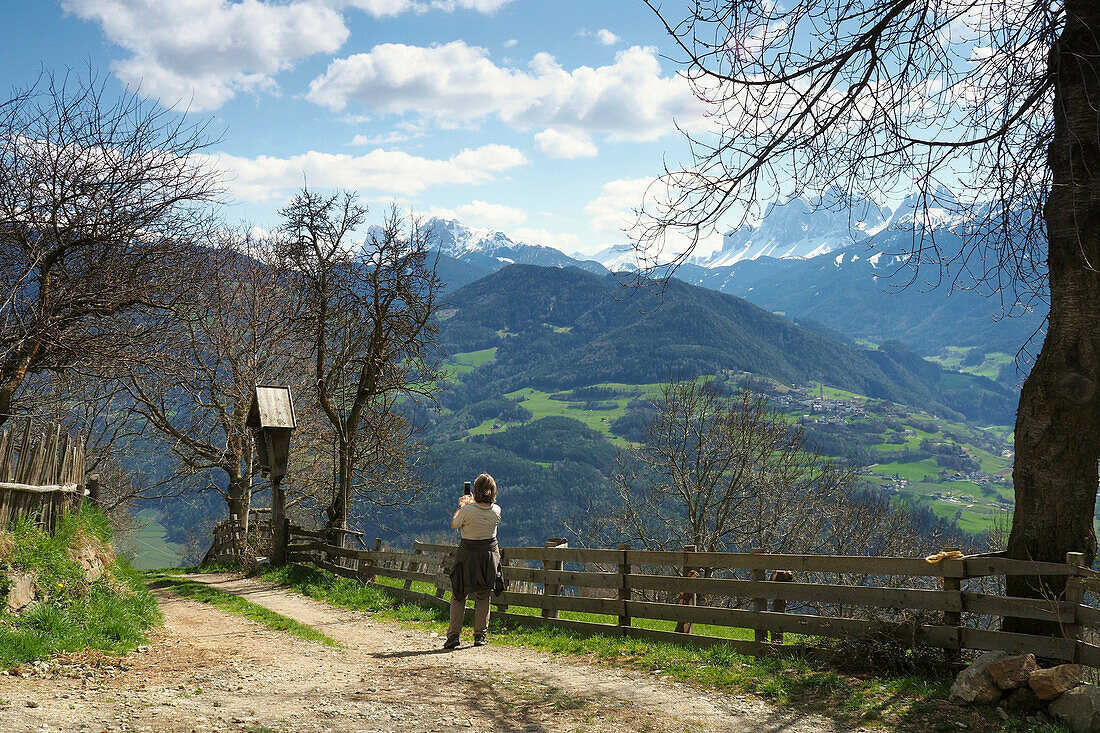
{"x": 961, "y": 471}
{"x": 551, "y": 363}
{"x": 550, "y": 373}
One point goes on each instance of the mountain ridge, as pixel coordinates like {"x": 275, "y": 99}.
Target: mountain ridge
{"x": 562, "y": 328}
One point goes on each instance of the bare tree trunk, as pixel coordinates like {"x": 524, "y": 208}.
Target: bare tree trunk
{"x": 338, "y": 510}
{"x": 240, "y": 501}
{"x": 1058, "y": 424}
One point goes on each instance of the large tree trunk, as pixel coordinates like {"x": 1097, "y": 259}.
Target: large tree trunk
{"x": 339, "y": 507}
{"x": 1058, "y": 424}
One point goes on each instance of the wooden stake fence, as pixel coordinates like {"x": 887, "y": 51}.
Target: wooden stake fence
{"x": 909, "y": 600}
{"x": 41, "y": 473}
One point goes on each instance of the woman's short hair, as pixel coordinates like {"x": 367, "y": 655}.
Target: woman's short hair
{"x": 485, "y": 489}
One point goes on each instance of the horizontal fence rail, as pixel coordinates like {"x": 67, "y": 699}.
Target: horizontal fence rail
{"x": 952, "y": 604}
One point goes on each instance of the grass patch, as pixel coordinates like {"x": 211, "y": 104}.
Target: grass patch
{"x": 238, "y": 606}
{"x": 467, "y": 361}
{"x": 71, "y": 614}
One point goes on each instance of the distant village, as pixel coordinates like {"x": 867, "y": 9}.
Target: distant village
{"x": 813, "y": 407}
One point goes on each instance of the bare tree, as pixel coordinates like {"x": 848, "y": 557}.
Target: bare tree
{"x": 368, "y": 316}
{"x": 724, "y": 473}
{"x": 96, "y": 195}
{"x": 230, "y": 328}
{"x": 996, "y": 99}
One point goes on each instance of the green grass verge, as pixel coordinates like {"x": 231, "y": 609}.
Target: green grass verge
{"x": 236, "y": 605}
{"x": 111, "y": 615}
{"x": 869, "y": 700}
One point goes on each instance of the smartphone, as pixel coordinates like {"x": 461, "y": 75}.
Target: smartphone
{"x": 467, "y": 488}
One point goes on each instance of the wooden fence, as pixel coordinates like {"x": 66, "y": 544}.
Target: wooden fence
{"x": 908, "y": 600}
{"x": 230, "y": 543}
{"x": 41, "y": 473}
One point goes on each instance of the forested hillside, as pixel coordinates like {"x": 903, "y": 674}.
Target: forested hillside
{"x": 553, "y": 371}
{"x": 563, "y": 328}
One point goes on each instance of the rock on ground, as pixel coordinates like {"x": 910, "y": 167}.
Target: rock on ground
{"x": 1050, "y": 683}
{"x": 1013, "y": 672}
{"x": 1079, "y": 708}
{"x": 1023, "y": 700}
{"x": 974, "y": 684}
{"x": 21, "y": 591}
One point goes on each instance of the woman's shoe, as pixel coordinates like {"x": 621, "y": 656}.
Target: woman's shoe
{"x": 480, "y": 641}
{"x": 451, "y": 644}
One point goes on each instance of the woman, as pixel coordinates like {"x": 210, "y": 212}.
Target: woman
{"x": 477, "y": 561}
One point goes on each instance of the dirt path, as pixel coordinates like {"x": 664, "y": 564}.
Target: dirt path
{"x": 210, "y": 671}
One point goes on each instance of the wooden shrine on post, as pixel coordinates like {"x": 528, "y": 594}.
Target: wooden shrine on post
{"x": 271, "y": 418}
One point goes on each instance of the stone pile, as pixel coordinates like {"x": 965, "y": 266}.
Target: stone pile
{"x": 1017, "y": 684}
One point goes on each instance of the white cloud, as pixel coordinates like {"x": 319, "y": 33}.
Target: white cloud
{"x": 559, "y": 144}
{"x": 202, "y": 53}
{"x": 392, "y": 137}
{"x": 511, "y": 43}
{"x": 606, "y": 37}
{"x": 455, "y": 83}
{"x": 614, "y": 221}
{"x": 612, "y": 211}
{"x": 483, "y": 214}
{"x": 481, "y": 6}
{"x": 390, "y": 172}
{"x": 383, "y": 8}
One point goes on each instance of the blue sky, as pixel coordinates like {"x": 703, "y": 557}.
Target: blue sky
{"x": 543, "y": 118}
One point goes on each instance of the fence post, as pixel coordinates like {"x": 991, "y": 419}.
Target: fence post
{"x": 625, "y": 596}
{"x": 687, "y": 599}
{"x": 441, "y": 590}
{"x": 1075, "y": 594}
{"x": 279, "y": 537}
{"x": 412, "y": 566}
{"x": 369, "y": 574}
{"x": 759, "y": 604}
{"x": 779, "y": 605}
{"x": 552, "y": 589}
{"x": 503, "y": 608}
{"x": 952, "y": 618}
{"x": 235, "y": 535}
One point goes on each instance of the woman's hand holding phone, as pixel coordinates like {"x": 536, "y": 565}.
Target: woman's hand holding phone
{"x": 465, "y": 499}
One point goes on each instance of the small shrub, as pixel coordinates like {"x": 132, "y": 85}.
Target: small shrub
{"x": 888, "y": 653}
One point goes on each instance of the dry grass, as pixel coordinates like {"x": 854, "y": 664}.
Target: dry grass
{"x": 7, "y": 544}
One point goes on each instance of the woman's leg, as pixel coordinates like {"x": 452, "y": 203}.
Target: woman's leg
{"x": 481, "y": 613}
{"x": 458, "y": 611}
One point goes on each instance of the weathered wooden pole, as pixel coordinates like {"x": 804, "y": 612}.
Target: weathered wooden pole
{"x": 759, "y": 604}
{"x": 687, "y": 598}
{"x": 552, "y": 589}
{"x": 279, "y": 534}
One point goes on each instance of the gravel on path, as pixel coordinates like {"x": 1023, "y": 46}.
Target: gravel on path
{"x": 207, "y": 671}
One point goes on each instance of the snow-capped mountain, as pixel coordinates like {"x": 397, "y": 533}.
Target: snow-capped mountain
{"x": 872, "y": 290}
{"x": 799, "y": 228}
{"x": 937, "y": 210}
{"x": 617, "y": 257}
{"x": 492, "y": 249}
